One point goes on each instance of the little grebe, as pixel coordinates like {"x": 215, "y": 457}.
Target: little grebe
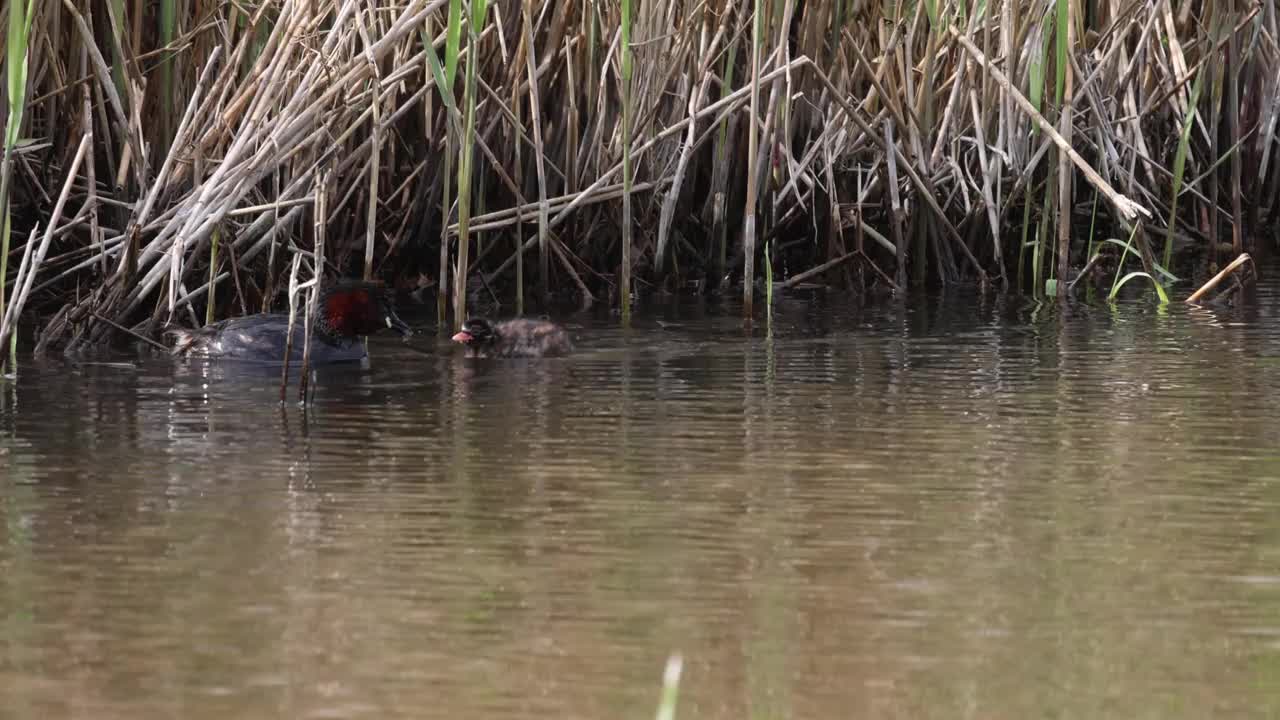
{"x": 348, "y": 310}
{"x": 518, "y": 338}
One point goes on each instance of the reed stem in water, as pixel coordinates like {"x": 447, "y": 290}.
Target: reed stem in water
{"x": 211, "y": 304}
{"x": 535, "y": 114}
{"x": 466, "y": 156}
{"x": 16, "y": 52}
{"x": 625, "y": 49}
{"x": 753, "y": 143}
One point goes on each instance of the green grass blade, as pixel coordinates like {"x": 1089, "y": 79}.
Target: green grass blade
{"x": 452, "y": 41}
{"x": 18, "y": 32}
{"x": 1129, "y": 249}
{"x": 1164, "y": 297}
{"x": 466, "y": 154}
{"x": 440, "y": 75}
{"x": 452, "y": 132}
{"x": 478, "y": 10}
{"x": 1060, "y": 58}
{"x": 1035, "y": 89}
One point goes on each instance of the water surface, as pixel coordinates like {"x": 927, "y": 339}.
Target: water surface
{"x": 945, "y": 508}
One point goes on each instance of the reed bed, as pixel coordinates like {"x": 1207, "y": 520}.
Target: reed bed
{"x": 637, "y": 146}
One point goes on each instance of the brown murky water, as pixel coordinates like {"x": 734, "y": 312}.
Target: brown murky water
{"x": 926, "y": 511}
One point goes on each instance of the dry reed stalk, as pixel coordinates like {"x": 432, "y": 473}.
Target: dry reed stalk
{"x": 718, "y": 196}
{"x": 375, "y": 154}
{"x": 1216, "y": 279}
{"x": 1067, "y": 104}
{"x": 1128, "y": 209}
{"x": 625, "y": 89}
{"x": 310, "y": 314}
{"x": 722, "y": 107}
{"x": 1233, "y": 131}
{"x": 753, "y": 142}
{"x": 124, "y": 126}
{"x": 5, "y": 368}
{"x": 31, "y": 265}
{"x": 293, "y": 318}
{"x": 897, "y": 213}
{"x": 519, "y": 164}
{"x": 535, "y": 115}
{"x": 289, "y": 88}
{"x": 91, "y": 177}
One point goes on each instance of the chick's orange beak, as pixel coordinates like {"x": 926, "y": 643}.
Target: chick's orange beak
{"x": 462, "y": 337}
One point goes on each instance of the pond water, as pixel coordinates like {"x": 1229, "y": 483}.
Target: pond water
{"x": 950, "y": 507}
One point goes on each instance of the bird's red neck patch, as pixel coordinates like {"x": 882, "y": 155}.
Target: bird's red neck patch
{"x": 346, "y": 311}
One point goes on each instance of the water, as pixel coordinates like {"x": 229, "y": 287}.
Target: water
{"x": 952, "y": 508}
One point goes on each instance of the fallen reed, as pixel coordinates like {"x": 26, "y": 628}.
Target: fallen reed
{"x": 663, "y": 146}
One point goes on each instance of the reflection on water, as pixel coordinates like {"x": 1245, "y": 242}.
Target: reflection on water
{"x": 955, "y": 508}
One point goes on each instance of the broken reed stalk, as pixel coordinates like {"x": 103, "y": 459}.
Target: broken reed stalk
{"x": 624, "y": 48}
{"x": 1216, "y": 279}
